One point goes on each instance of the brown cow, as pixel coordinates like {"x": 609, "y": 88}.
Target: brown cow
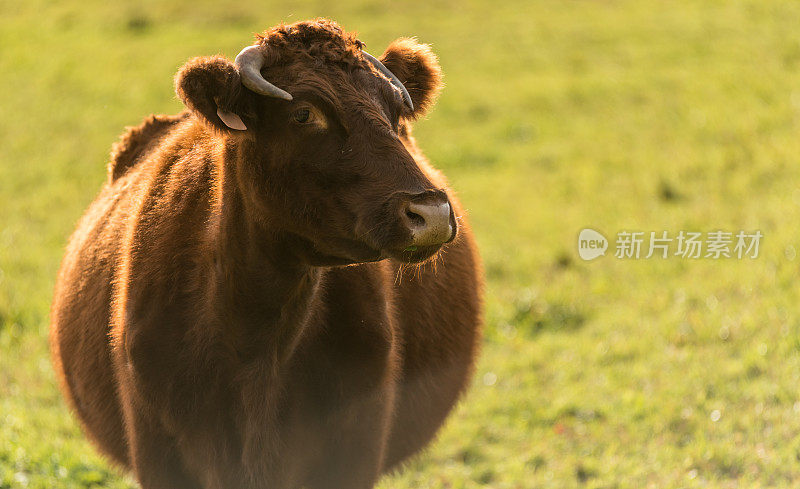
{"x": 270, "y": 291}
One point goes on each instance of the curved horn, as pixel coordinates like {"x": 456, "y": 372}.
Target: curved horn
{"x": 249, "y": 61}
{"x": 397, "y": 83}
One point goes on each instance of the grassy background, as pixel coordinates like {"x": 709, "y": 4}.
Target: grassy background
{"x": 557, "y": 115}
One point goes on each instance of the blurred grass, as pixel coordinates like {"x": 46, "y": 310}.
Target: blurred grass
{"x": 556, "y": 116}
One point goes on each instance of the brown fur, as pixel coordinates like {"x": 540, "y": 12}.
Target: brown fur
{"x": 240, "y": 309}
{"x": 137, "y": 141}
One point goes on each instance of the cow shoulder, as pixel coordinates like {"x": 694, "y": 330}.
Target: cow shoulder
{"x": 136, "y": 141}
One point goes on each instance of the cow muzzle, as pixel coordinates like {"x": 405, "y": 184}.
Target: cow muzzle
{"x": 429, "y": 219}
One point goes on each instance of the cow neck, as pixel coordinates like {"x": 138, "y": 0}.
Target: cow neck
{"x": 264, "y": 291}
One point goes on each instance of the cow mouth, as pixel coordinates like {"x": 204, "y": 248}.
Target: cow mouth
{"x": 413, "y": 254}
{"x": 409, "y": 255}
{"x": 343, "y": 251}
{"x": 367, "y": 254}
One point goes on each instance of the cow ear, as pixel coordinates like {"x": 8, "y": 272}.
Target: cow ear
{"x": 212, "y": 89}
{"x": 416, "y": 66}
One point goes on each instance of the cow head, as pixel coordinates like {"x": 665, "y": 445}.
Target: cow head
{"x": 320, "y": 131}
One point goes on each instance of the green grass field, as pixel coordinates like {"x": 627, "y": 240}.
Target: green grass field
{"x": 557, "y": 115}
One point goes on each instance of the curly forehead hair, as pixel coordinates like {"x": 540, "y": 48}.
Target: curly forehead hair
{"x": 321, "y": 39}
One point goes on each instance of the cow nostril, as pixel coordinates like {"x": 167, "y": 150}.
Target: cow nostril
{"x": 416, "y": 219}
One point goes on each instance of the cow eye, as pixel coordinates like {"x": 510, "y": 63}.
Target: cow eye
{"x": 302, "y": 116}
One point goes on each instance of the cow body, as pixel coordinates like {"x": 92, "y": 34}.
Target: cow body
{"x": 205, "y": 344}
